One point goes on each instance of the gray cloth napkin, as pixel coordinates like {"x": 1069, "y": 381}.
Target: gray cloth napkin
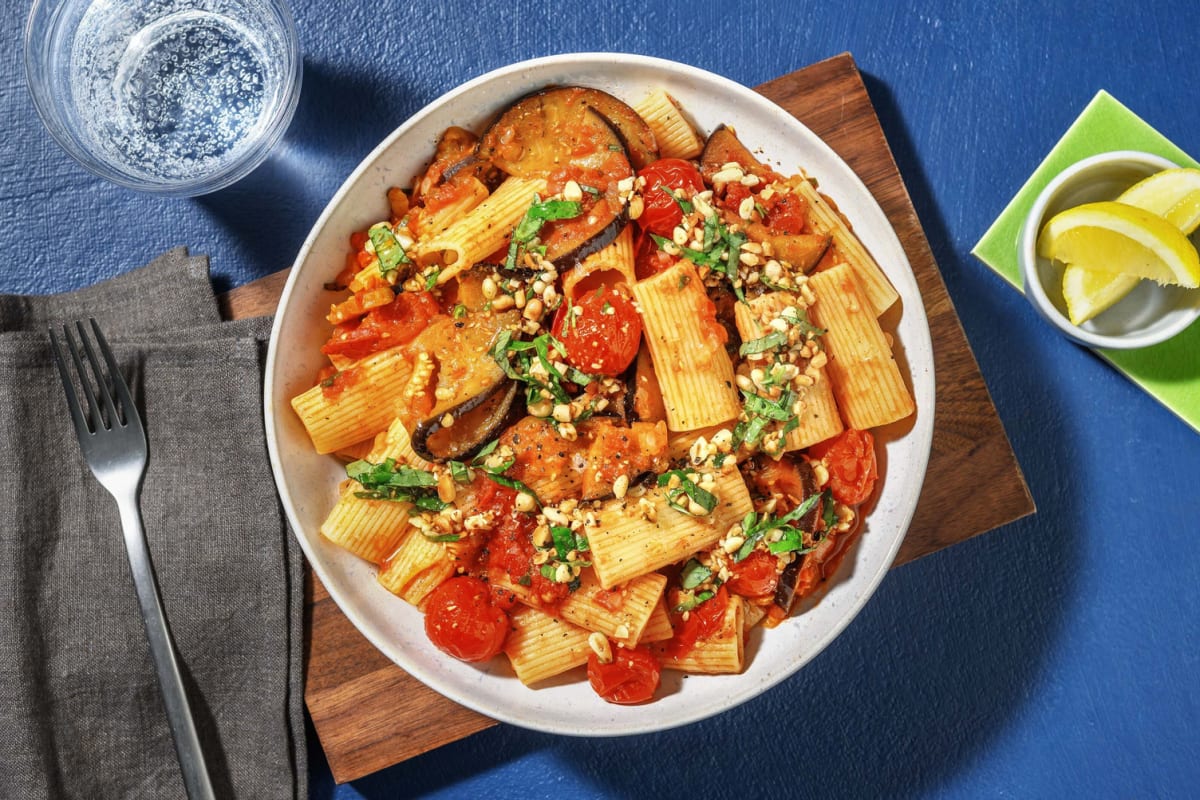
{"x": 80, "y": 710}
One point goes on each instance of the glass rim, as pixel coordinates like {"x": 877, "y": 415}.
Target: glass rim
{"x": 49, "y": 107}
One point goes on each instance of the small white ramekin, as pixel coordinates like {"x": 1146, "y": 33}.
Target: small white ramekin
{"x": 1150, "y": 313}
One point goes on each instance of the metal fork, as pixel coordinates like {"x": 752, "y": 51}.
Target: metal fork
{"x": 114, "y": 446}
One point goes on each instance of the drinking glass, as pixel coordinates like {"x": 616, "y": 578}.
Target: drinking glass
{"x": 179, "y": 97}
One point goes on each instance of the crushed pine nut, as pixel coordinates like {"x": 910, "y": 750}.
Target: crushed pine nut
{"x": 572, "y": 192}
{"x": 820, "y": 473}
{"x": 746, "y": 208}
{"x": 567, "y": 431}
{"x": 533, "y": 310}
{"x": 620, "y": 486}
{"x": 477, "y": 522}
{"x": 636, "y": 206}
{"x": 518, "y": 298}
{"x": 733, "y": 543}
{"x": 445, "y": 488}
{"x": 489, "y": 288}
{"x": 845, "y": 517}
{"x": 541, "y": 537}
{"x": 447, "y": 420}
{"x": 562, "y": 574}
{"x": 503, "y": 303}
{"x": 525, "y": 502}
{"x": 598, "y": 642}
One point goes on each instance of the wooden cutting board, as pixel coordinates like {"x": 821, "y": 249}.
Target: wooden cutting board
{"x": 369, "y": 714}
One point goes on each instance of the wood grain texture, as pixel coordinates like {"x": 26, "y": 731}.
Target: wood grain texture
{"x": 369, "y": 714}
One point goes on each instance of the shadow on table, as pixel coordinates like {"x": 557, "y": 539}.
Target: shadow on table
{"x": 340, "y": 118}
{"x": 925, "y": 679}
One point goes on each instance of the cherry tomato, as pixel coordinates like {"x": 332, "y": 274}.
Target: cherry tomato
{"x": 394, "y": 324}
{"x": 660, "y": 212}
{"x": 850, "y": 458}
{"x": 460, "y": 620}
{"x": 702, "y": 622}
{"x": 602, "y": 337}
{"x": 787, "y": 215}
{"x": 631, "y": 677}
{"x": 754, "y": 576}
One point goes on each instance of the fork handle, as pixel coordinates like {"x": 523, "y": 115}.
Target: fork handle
{"x": 179, "y": 713}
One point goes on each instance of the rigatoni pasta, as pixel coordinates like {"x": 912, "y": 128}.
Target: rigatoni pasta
{"x": 606, "y": 385}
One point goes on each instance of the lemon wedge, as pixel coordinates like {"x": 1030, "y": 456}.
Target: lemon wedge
{"x": 1111, "y": 237}
{"x": 1174, "y": 195}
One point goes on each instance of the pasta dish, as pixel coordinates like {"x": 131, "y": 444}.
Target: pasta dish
{"x": 605, "y": 389}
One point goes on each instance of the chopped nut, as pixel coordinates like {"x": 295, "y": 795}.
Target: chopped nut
{"x": 446, "y": 488}
{"x": 599, "y": 644}
{"x": 525, "y": 502}
{"x": 620, "y": 486}
{"x": 572, "y": 192}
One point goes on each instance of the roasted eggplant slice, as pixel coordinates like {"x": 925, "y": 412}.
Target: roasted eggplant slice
{"x": 640, "y": 143}
{"x": 724, "y": 147}
{"x": 552, "y": 130}
{"x": 472, "y": 425}
{"x": 558, "y": 135}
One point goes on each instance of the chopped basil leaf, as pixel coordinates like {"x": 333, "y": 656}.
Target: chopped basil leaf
{"x": 445, "y": 537}
{"x": 687, "y": 488}
{"x": 830, "y": 515}
{"x": 694, "y": 573}
{"x": 764, "y": 343}
{"x": 459, "y": 471}
{"x": 754, "y": 528}
{"x": 690, "y": 601}
{"x": 388, "y": 249}
{"x": 459, "y": 311}
{"x": 564, "y": 541}
{"x": 524, "y": 236}
{"x": 684, "y": 205}
{"x": 386, "y": 481}
{"x": 431, "y": 279}
{"x": 525, "y": 579}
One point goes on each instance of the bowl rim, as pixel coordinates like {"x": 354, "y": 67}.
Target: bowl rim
{"x": 921, "y": 374}
{"x": 1027, "y": 258}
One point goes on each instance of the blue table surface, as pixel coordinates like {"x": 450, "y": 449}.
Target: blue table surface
{"x": 1054, "y": 657}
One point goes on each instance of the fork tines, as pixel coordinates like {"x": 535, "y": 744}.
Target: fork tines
{"x": 103, "y": 412}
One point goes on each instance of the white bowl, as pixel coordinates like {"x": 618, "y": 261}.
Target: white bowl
{"x": 1150, "y": 313}
{"x": 307, "y": 482}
